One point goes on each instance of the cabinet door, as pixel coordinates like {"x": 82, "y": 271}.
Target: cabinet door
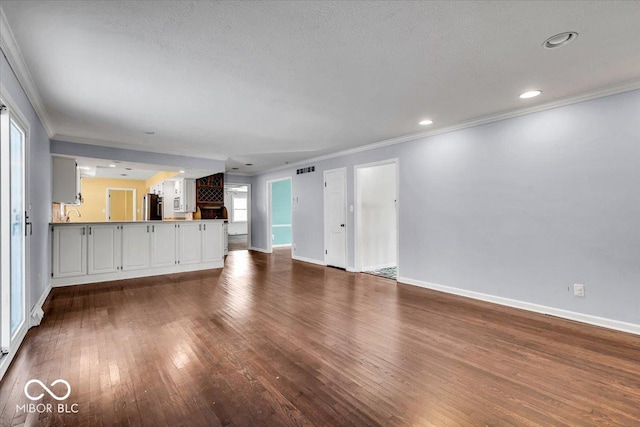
{"x": 65, "y": 180}
{"x": 105, "y": 248}
{"x": 190, "y": 243}
{"x": 212, "y": 241}
{"x": 135, "y": 246}
{"x": 69, "y": 251}
{"x": 163, "y": 245}
{"x": 190, "y": 195}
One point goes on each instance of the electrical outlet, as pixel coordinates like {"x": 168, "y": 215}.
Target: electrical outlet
{"x": 578, "y": 290}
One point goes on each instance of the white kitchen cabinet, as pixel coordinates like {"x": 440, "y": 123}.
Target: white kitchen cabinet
{"x": 69, "y": 251}
{"x": 212, "y": 241}
{"x": 185, "y": 192}
{"x": 135, "y": 246}
{"x": 65, "y": 181}
{"x": 99, "y": 252}
{"x": 189, "y": 243}
{"x": 105, "y": 248}
{"x": 163, "y": 244}
{"x": 157, "y": 189}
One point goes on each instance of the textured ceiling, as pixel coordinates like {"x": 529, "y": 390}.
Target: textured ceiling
{"x": 274, "y": 82}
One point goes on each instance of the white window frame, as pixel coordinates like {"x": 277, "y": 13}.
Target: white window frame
{"x": 234, "y": 209}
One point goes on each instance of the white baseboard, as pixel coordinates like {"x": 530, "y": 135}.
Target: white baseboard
{"x": 557, "y": 312}
{"x": 309, "y": 260}
{"x": 378, "y": 267}
{"x": 264, "y": 251}
{"x": 36, "y": 311}
{"x": 286, "y": 245}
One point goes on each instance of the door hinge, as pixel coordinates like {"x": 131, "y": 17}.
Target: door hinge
{"x": 325, "y": 184}
{"x": 325, "y": 252}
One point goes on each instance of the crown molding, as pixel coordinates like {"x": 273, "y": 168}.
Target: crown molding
{"x": 14, "y": 56}
{"x": 599, "y": 92}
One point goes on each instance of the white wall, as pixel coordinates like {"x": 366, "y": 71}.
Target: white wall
{"x": 519, "y": 209}
{"x": 376, "y": 212}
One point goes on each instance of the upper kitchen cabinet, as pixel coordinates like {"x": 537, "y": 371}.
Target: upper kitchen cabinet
{"x": 185, "y": 195}
{"x": 65, "y": 181}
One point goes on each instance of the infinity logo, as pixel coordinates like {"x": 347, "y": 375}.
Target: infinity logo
{"x": 52, "y": 394}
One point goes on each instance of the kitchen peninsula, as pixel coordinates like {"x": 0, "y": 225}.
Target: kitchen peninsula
{"x": 93, "y": 252}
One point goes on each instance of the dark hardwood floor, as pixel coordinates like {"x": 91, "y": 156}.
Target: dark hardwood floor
{"x": 271, "y": 341}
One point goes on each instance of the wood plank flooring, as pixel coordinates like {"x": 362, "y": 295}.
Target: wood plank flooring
{"x": 270, "y": 341}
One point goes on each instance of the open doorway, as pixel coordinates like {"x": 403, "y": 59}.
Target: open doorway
{"x": 237, "y": 200}
{"x": 280, "y": 221}
{"x": 376, "y": 218}
{"x": 121, "y": 204}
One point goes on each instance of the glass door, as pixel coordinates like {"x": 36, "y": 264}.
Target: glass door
{"x": 14, "y": 231}
{"x": 18, "y": 213}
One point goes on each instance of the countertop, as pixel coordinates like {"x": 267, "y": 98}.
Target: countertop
{"x": 138, "y": 222}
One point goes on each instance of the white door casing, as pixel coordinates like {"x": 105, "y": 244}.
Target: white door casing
{"x": 335, "y": 217}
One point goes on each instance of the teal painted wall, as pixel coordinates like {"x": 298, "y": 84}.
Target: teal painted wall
{"x": 281, "y": 212}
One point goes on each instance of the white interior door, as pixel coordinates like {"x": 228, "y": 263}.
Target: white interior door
{"x": 335, "y": 217}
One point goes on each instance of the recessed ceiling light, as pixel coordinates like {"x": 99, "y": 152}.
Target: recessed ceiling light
{"x": 117, "y": 161}
{"x": 150, "y": 133}
{"x": 123, "y": 174}
{"x": 559, "y": 40}
{"x": 248, "y": 164}
{"x": 181, "y": 171}
{"x": 530, "y": 94}
{"x": 426, "y": 122}
{"x": 128, "y": 169}
{"x": 235, "y": 169}
{"x": 112, "y": 166}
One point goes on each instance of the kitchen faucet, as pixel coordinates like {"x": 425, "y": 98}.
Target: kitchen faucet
{"x": 69, "y": 214}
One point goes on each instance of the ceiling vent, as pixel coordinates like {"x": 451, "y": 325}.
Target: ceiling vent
{"x": 306, "y": 170}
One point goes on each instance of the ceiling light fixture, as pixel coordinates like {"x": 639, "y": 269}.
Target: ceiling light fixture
{"x": 150, "y": 133}
{"x": 426, "y": 122}
{"x": 235, "y": 169}
{"x": 530, "y": 94}
{"x": 248, "y": 164}
{"x": 112, "y": 166}
{"x": 181, "y": 171}
{"x": 560, "y": 40}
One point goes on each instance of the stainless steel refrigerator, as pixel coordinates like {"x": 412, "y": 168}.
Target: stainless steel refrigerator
{"x": 152, "y": 207}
